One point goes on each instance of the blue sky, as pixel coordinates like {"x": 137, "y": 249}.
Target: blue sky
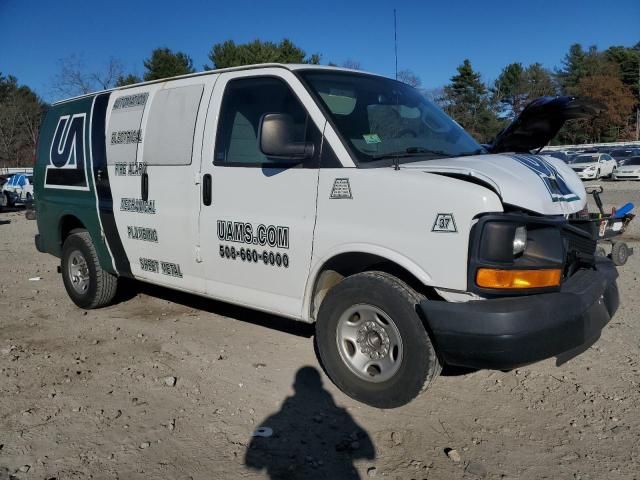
{"x": 433, "y": 37}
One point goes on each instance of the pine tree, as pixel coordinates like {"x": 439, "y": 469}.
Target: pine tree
{"x": 517, "y": 86}
{"x": 466, "y": 99}
{"x": 164, "y": 63}
{"x": 229, "y": 54}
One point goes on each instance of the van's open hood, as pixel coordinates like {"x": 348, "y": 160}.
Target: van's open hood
{"x": 540, "y": 184}
{"x": 540, "y": 121}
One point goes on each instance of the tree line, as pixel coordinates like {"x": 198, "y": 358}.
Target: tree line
{"x": 610, "y": 77}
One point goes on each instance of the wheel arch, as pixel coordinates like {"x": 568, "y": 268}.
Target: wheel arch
{"x": 67, "y": 225}
{"x": 333, "y": 268}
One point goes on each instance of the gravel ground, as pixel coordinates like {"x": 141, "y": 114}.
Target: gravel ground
{"x": 167, "y": 385}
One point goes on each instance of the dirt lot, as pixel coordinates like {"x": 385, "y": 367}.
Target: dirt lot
{"x": 92, "y": 394}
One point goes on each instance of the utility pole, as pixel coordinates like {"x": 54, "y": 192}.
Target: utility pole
{"x": 395, "y": 39}
{"x": 638, "y": 107}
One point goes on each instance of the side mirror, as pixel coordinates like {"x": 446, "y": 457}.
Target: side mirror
{"x": 275, "y": 138}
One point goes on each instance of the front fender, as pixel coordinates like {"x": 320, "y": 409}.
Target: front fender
{"x": 359, "y": 248}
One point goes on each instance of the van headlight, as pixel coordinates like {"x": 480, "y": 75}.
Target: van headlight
{"x": 519, "y": 240}
{"x": 514, "y": 252}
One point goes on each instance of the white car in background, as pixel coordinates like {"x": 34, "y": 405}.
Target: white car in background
{"x": 630, "y": 170}
{"x": 591, "y": 166}
{"x": 21, "y": 186}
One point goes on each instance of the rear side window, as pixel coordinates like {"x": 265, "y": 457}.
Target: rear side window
{"x": 245, "y": 101}
{"x": 168, "y": 138}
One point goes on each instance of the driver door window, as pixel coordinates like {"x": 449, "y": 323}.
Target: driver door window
{"x": 246, "y": 101}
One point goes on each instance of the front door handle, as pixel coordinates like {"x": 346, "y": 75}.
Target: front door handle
{"x": 206, "y": 189}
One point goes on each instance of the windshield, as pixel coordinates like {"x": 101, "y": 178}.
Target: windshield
{"x": 585, "y": 159}
{"x": 632, "y": 161}
{"x": 622, "y": 153}
{"x": 382, "y": 119}
{"x": 558, "y": 155}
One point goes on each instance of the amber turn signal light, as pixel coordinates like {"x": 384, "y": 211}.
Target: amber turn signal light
{"x": 504, "y": 279}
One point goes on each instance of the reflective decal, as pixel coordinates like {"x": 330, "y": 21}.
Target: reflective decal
{"x": 165, "y": 268}
{"x": 142, "y": 233}
{"x": 444, "y": 223}
{"x": 552, "y": 179}
{"x": 133, "y": 169}
{"x": 129, "y": 101}
{"x": 149, "y": 265}
{"x": 126, "y": 136}
{"x": 341, "y": 189}
{"x": 137, "y": 205}
{"x": 171, "y": 269}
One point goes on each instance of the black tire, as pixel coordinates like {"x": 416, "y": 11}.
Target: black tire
{"x": 418, "y": 365}
{"x": 620, "y": 253}
{"x": 10, "y": 200}
{"x": 101, "y": 285}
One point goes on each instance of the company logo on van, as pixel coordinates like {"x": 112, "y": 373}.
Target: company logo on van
{"x": 553, "y": 181}
{"x": 66, "y": 168}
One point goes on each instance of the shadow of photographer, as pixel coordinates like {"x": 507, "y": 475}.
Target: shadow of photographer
{"x": 312, "y": 438}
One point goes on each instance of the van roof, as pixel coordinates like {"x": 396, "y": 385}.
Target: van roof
{"x": 288, "y": 66}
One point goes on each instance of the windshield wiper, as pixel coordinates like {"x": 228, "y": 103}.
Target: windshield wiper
{"x": 410, "y": 152}
{"x": 479, "y": 151}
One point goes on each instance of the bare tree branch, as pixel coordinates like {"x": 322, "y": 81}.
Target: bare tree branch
{"x": 74, "y": 79}
{"x": 352, "y": 64}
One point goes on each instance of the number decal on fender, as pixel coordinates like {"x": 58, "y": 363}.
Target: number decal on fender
{"x": 444, "y": 223}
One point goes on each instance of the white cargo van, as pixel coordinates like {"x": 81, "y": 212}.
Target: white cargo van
{"x": 336, "y": 197}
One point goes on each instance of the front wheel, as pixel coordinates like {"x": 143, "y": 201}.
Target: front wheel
{"x": 88, "y": 285}
{"x": 619, "y": 253}
{"x": 372, "y": 342}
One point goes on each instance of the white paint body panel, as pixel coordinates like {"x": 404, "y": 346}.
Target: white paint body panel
{"x": 174, "y": 191}
{"x": 516, "y": 184}
{"x": 391, "y": 213}
{"x": 409, "y": 201}
{"x": 261, "y": 197}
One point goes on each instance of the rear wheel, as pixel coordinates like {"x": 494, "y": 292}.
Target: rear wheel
{"x": 88, "y": 285}
{"x": 372, "y": 342}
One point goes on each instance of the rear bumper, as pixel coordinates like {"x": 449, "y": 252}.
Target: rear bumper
{"x": 509, "y": 332}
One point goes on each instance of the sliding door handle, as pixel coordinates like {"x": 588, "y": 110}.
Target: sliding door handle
{"x": 144, "y": 187}
{"x": 206, "y": 189}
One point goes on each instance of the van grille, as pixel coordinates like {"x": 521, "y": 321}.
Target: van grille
{"x": 581, "y": 247}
